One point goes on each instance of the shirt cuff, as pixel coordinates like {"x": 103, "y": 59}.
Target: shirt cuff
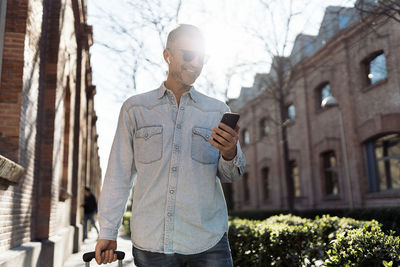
{"x": 238, "y": 161}
{"x": 108, "y": 234}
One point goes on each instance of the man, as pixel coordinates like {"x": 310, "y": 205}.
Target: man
{"x": 179, "y": 215}
{"x": 89, "y": 209}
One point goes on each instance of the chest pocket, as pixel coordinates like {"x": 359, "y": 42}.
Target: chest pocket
{"x": 202, "y": 150}
{"x": 148, "y": 144}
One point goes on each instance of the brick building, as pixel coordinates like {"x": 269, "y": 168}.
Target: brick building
{"x": 48, "y": 138}
{"x": 342, "y": 156}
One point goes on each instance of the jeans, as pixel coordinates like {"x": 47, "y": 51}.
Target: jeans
{"x": 217, "y": 256}
{"x": 86, "y": 218}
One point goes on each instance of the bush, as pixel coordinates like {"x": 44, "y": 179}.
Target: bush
{"x": 389, "y": 217}
{"x": 364, "y": 247}
{"x": 288, "y": 240}
{"x": 126, "y": 222}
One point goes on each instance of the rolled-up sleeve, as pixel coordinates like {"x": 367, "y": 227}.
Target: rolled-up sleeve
{"x": 232, "y": 170}
{"x": 118, "y": 179}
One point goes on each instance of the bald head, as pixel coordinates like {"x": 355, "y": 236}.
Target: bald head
{"x": 185, "y": 30}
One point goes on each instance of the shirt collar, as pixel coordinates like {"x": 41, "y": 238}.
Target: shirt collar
{"x": 163, "y": 90}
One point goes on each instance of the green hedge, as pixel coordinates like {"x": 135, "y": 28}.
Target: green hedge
{"x": 288, "y": 240}
{"x": 126, "y": 222}
{"x": 389, "y": 217}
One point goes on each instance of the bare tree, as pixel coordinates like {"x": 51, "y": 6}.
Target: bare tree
{"x": 275, "y": 36}
{"x": 388, "y": 8}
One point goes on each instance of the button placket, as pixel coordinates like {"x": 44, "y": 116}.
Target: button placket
{"x": 173, "y": 178}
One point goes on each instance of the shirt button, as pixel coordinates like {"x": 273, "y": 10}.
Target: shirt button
{"x": 174, "y": 169}
{"x": 178, "y": 126}
{"x": 176, "y": 147}
{"x": 171, "y": 191}
{"x": 208, "y": 137}
{"x": 169, "y": 214}
{"x": 182, "y": 108}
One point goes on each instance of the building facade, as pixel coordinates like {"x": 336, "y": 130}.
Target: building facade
{"x": 48, "y": 138}
{"x": 345, "y": 154}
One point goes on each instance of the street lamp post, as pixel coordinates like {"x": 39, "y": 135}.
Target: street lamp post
{"x": 330, "y": 101}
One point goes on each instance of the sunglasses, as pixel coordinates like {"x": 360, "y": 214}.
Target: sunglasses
{"x": 189, "y": 55}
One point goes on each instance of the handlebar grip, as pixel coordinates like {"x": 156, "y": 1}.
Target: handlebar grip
{"x": 87, "y": 257}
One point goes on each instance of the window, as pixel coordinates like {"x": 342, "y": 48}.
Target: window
{"x": 309, "y": 48}
{"x": 3, "y": 8}
{"x": 343, "y": 21}
{"x": 246, "y": 190}
{"x": 265, "y": 178}
{"x": 291, "y": 113}
{"x": 330, "y": 173}
{"x": 383, "y": 162}
{"x": 264, "y": 128}
{"x": 295, "y": 175}
{"x": 246, "y": 137}
{"x": 323, "y": 92}
{"x": 375, "y": 68}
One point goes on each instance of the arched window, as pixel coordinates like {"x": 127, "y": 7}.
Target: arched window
{"x": 383, "y": 162}
{"x": 375, "y": 68}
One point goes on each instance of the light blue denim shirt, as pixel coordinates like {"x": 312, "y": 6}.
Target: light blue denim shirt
{"x": 178, "y": 202}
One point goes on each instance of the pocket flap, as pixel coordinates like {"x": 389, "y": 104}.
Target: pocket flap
{"x": 203, "y": 132}
{"x": 149, "y": 131}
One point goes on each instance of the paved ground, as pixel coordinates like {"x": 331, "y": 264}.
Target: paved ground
{"x": 123, "y": 242}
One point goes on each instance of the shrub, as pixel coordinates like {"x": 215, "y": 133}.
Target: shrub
{"x": 364, "y": 247}
{"x": 288, "y": 240}
{"x": 126, "y": 222}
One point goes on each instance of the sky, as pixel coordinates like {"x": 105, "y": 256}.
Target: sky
{"x": 231, "y": 29}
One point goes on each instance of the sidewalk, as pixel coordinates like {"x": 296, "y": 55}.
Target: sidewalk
{"x": 124, "y": 244}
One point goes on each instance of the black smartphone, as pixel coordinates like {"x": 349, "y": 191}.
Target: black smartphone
{"x": 229, "y": 119}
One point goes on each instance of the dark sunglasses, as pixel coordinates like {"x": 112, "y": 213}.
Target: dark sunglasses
{"x": 189, "y": 55}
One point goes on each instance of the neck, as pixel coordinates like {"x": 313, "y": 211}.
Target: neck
{"x": 177, "y": 88}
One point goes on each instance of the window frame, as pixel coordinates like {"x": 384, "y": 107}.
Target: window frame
{"x": 372, "y": 167}
{"x": 331, "y": 169}
{"x": 263, "y": 133}
{"x": 293, "y": 165}
{"x": 291, "y": 120}
{"x": 246, "y": 188}
{"x": 366, "y": 68}
{"x": 244, "y": 131}
{"x": 265, "y": 182}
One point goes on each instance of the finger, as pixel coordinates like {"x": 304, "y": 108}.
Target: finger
{"x": 115, "y": 257}
{"x": 226, "y": 128}
{"x": 215, "y": 144}
{"x": 110, "y": 255}
{"x": 97, "y": 254}
{"x": 103, "y": 258}
{"x": 220, "y": 139}
{"x": 224, "y": 134}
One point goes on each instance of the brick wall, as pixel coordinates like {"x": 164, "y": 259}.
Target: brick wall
{"x": 367, "y": 112}
{"x": 44, "y": 120}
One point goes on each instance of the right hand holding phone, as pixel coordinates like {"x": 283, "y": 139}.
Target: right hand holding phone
{"x": 227, "y": 139}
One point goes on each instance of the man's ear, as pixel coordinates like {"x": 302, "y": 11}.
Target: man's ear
{"x": 166, "y": 56}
